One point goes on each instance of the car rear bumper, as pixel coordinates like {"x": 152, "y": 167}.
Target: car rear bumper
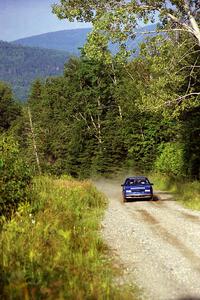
{"x": 141, "y": 196}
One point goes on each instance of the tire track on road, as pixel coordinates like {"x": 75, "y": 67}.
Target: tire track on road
{"x": 157, "y": 242}
{"x": 168, "y": 237}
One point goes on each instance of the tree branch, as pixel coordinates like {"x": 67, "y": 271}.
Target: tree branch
{"x": 176, "y": 20}
{"x": 182, "y": 97}
{"x": 189, "y": 83}
{"x": 161, "y": 30}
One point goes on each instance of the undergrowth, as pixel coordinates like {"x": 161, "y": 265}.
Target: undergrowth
{"x": 51, "y": 249}
{"x": 185, "y": 191}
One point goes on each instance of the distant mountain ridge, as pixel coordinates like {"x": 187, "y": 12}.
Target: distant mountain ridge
{"x": 65, "y": 40}
{"x": 20, "y": 65}
{"x": 72, "y": 40}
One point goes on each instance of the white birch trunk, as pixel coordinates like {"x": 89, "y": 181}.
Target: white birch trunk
{"x": 34, "y": 142}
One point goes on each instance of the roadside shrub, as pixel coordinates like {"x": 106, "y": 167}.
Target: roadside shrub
{"x": 57, "y": 252}
{"x": 185, "y": 191}
{"x": 171, "y": 159}
{"x": 15, "y": 176}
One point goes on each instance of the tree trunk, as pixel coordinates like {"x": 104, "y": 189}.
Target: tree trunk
{"x": 195, "y": 28}
{"x": 99, "y": 121}
{"x": 115, "y": 83}
{"x": 34, "y": 142}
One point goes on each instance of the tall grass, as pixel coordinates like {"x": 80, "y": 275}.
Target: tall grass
{"x": 51, "y": 249}
{"x": 185, "y": 191}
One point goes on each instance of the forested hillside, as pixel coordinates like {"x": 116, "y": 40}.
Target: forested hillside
{"x": 26, "y": 59}
{"x": 20, "y": 65}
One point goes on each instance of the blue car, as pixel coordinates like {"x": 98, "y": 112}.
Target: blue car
{"x": 138, "y": 187}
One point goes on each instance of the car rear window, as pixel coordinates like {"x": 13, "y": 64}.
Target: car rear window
{"x": 136, "y": 181}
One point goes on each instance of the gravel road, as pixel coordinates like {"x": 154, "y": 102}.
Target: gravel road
{"x": 157, "y": 242}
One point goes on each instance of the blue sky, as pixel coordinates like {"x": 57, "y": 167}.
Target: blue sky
{"x": 22, "y": 18}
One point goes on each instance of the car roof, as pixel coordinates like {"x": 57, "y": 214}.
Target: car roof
{"x": 137, "y": 177}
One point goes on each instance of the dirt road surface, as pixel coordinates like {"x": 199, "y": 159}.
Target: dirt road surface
{"x": 157, "y": 243}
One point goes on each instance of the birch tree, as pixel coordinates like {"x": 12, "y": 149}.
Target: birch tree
{"x": 116, "y": 20}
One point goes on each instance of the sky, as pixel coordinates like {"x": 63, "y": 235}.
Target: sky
{"x": 23, "y": 18}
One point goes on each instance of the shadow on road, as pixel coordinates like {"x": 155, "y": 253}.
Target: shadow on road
{"x": 156, "y": 198}
{"x": 189, "y": 298}
{"x": 142, "y": 200}
{"x": 163, "y": 196}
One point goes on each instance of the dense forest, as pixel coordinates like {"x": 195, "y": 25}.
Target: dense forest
{"x": 99, "y": 117}
{"x": 20, "y": 65}
{"x": 121, "y": 115}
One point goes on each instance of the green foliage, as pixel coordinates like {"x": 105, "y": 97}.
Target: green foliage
{"x": 171, "y": 159}
{"x": 72, "y": 116}
{"x": 15, "y": 176}
{"x": 56, "y": 251}
{"x": 9, "y": 109}
{"x": 189, "y": 194}
{"x": 191, "y": 139}
{"x": 171, "y": 85}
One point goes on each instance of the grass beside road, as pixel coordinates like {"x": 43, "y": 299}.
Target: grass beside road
{"x": 187, "y": 192}
{"x": 52, "y": 248}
